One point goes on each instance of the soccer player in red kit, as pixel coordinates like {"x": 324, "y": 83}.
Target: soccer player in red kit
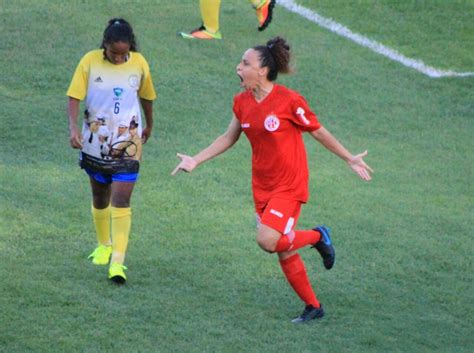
{"x": 273, "y": 118}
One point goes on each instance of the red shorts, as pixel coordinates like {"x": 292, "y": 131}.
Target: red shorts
{"x": 279, "y": 214}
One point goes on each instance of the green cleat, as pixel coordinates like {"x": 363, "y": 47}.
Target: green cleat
{"x": 200, "y": 33}
{"x": 101, "y": 255}
{"x": 117, "y": 273}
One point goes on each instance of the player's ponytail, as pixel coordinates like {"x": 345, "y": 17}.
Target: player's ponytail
{"x": 119, "y": 30}
{"x": 276, "y": 56}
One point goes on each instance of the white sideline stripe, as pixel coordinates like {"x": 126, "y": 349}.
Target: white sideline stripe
{"x": 392, "y": 54}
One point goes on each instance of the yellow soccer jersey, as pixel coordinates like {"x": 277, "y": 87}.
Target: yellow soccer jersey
{"x": 112, "y": 97}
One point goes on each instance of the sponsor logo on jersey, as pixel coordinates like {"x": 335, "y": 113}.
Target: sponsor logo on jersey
{"x": 300, "y": 112}
{"x": 272, "y": 123}
{"x": 245, "y": 126}
{"x": 276, "y": 213}
{"x": 98, "y": 79}
{"x": 118, "y": 91}
{"x": 133, "y": 80}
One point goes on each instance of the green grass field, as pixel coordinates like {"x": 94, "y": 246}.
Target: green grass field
{"x": 197, "y": 280}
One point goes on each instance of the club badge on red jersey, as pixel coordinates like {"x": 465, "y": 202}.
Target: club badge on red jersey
{"x": 272, "y": 123}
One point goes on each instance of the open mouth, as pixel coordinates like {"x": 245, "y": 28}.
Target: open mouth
{"x": 241, "y": 80}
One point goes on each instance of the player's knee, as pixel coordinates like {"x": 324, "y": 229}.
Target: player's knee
{"x": 265, "y": 248}
{"x": 120, "y": 203}
{"x": 266, "y": 243}
{"x": 100, "y": 202}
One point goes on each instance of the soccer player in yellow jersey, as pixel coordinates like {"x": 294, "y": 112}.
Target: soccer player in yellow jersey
{"x": 210, "y": 18}
{"x": 115, "y": 84}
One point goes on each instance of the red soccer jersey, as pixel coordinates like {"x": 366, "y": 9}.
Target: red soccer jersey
{"x": 274, "y": 128}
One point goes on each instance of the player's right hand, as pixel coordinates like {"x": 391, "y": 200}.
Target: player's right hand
{"x": 75, "y": 138}
{"x": 187, "y": 164}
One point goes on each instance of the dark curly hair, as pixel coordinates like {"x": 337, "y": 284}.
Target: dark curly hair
{"x": 275, "y": 55}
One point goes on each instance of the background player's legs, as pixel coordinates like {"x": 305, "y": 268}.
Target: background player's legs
{"x": 210, "y": 21}
{"x": 210, "y": 14}
{"x": 264, "y": 12}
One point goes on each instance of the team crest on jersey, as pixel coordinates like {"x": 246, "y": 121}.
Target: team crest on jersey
{"x": 133, "y": 80}
{"x": 272, "y": 123}
{"x": 118, "y": 91}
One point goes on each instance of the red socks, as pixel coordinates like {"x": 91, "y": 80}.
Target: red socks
{"x": 293, "y": 267}
{"x": 297, "y": 239}
{"x": 295, "y": 273}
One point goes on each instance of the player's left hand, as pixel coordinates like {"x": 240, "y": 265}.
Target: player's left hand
{"x": 358, "y": 165}
{"x": 187, "y": 164}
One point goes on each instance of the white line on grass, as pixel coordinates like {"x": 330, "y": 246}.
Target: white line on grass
{"x": 366, "y": 42}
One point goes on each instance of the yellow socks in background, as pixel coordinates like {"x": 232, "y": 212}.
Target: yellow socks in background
{"x": 210, "y": 14}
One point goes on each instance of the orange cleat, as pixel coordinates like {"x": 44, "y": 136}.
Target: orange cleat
{"x": 200, "y": 33}
{"x": 264, "y": 13}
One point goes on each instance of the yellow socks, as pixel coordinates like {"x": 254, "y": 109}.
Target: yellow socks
{"x": 101, "y": 218}
{"x": 210, "y": 14}
{"x": 121, "y": 222}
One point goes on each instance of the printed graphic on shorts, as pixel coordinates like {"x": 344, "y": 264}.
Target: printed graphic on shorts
{"x": 110, "y": 138}
{"x": 272, "y": 123}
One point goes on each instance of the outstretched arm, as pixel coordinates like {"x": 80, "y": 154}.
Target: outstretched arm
{"x": 220, "y": 145}
{"x": 355, "y": 162}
